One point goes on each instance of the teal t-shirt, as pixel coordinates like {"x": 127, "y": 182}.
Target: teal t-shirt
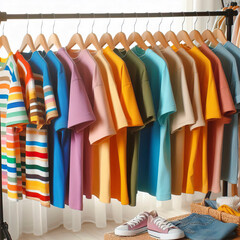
{"x": 154, "y": 173}
{"x": 228, "y": 55}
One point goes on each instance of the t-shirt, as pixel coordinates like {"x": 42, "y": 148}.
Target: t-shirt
{"x": 184, "y": 115}
{"x": 178, "y": 152}
{"x": 216, "y": 128}
{"x": 58, "y": 134}
{"x": 196, "y": 178}
{"x": 141, "y": 87}
{"x": 13, "y": 119}
{"x": 37, "y": 162}
{"x": 154, "y": 172}
{"x": 103, "y": 127}
{"x": 230, "y": 154}
{"x": 101, "y": 183}
{"x": 30, "y": 99}
{"x": 118, "y": 142}
{"x": 80, "y": 116}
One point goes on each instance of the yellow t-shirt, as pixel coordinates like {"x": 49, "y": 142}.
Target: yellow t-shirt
{"x": 195, "y": 159}
{"x": 101, "y": 184}
{"x": 118, "y": 142}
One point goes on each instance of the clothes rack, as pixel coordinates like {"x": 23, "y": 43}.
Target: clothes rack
{"x": 229, "y": 13}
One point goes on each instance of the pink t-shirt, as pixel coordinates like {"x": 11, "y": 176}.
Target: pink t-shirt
{"x": 216, "y": 127}
{"x": 103, "y": 127}
{"x": 80, "y": 116}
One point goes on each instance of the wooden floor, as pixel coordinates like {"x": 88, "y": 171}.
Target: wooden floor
{"x": 89, "y": 232}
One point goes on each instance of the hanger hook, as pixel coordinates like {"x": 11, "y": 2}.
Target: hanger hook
{"x": 160, "y": 22}
{"x": 134, "y": 26}
{"x": 79, "y": 16}
{"x": 41, "y": 22}
{"x": 122, "y": 21}
{"x": 93, "y": 22}
{"x": 194, "y": 25}
{"x": 208, "y": 20}
{"x": 147, "y": 22}
{"x": 184, "y": 18}
{"x": 171, "y": 23}
{"x": 53, "y": 23}
{"x": 109, "y": 15}
{"x": 27, "y": 22}
{"x": 3, "y": 26}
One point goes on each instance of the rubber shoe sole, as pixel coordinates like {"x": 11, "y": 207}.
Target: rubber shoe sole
{"x": 166, "y": 235}
{"x": 130, "y": 233}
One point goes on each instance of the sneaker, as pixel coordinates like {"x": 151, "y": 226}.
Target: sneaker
{"x": 135, "y": 226}
{"x": 160, "y": 228}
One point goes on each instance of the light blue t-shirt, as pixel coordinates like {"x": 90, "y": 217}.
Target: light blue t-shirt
{"x": 58, "y": 133}
{"x": 228, "y": 54}
{"x": 154, "y": 173}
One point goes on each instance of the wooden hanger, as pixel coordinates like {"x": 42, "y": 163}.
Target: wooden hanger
{"x": 136, "y": 37}
{"x": 41, "y": 41}
{"x": 171, "y": 37}
{"x": 53, "y": 39}
{"x": 219, "y": 35}
{"x": 195, "y": 35}
{"x": 159, "y": 36}
{"x": 76, "y": 39}
{"x": 147, "y": 36}
{"x": 208, "y": 35}
{"x": 4, "y": 42}
{"x": 27, "y": 41}
{"x": 92, "y": 39}
{"x": 107, "y": 38}
{"x": 121, "y": 38}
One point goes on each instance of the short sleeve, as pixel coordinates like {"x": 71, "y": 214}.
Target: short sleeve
{"x": 147, "y": 110}
{"x": 225, "y": 97}
{"x": 63, "y": 101}
{"x": 80, "y": 113}
{"x": 103, "y": 127}
{"x": 131, "y": 110}
{"x": 49, "y": 98}
{"x": 16, "y": 110}
{"x": 212, "y": 104}
{"x": 167, "y": 104}
{"x": 196, "y": 101}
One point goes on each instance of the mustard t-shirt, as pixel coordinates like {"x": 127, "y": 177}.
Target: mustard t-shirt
{"x": 118, "y": 143}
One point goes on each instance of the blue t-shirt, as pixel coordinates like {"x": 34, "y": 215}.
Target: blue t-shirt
{"x": 154, "y": 174}
{"x": 228, "y": 54}
{"x": 58, "y": 133}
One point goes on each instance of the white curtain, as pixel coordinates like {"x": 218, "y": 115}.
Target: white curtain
{"x": 29, "y": 216}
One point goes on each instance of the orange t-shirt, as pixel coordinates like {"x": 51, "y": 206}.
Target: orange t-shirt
{"x": 118, "y": 142}
{"x": 195, "y": 166}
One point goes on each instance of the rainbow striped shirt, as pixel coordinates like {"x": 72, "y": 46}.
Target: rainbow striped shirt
{"x": 36, "y": 149}
{"x": 13, "y": 119}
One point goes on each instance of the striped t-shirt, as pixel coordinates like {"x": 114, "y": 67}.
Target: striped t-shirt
{"x": 13, "y": 119}
{"x": 37, "y": 165}
{"x": 32, "y": 107}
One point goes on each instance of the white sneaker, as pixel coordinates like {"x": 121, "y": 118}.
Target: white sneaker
{"x": 160, "y": 228}
{"x": 135, "y": 226}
